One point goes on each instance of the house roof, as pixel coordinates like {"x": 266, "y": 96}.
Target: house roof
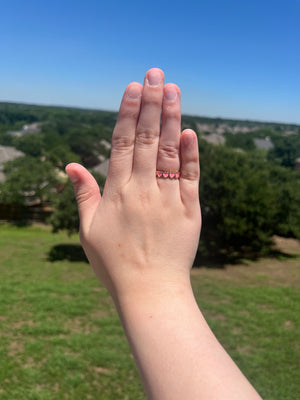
{"x": 7, "y": 153}
{"x": 102, "y": 168}
{"x": 265, "y": 144}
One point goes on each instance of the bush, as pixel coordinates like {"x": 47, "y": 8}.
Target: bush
{"x": 244, "y": 201}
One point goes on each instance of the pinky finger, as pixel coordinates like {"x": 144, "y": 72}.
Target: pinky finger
{"x": 190, "y": 169}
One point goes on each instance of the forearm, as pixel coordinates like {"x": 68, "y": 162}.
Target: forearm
{"x": 177, "y": 354}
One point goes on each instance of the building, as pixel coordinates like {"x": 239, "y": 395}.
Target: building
{"x": 7, "y": 153}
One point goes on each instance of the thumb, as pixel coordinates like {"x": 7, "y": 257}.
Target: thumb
{"x": 87, "y": 192}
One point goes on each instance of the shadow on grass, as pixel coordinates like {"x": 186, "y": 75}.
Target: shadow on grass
{"x": 221, "y": 261}
{"x": 69, "y": 252}
{"x": 21, "y": 223}
{"x": 74, "y": 252}
{"x": 203, "y": 261}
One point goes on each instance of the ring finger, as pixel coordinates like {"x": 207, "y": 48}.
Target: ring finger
{"x": 168, "y": 159}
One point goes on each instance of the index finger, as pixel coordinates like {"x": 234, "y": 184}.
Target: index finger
{"x": 123, "y": 139}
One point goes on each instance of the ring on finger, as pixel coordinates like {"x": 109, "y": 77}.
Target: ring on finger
{"x": 167, "y": 174}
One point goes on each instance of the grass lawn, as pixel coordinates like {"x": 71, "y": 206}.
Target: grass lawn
{"x": 60, "y": 337}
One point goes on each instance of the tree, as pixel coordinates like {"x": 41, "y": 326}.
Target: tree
{"x": 31, "y": 144}
{"x": 237, "y": 202}
{"x": 65, "y": 216}
{"x": 86, "y": 143}
{"x": 28, "y": 179}
{"x": 240, "y": 140}
{"x": 286, "y": 150}
{"x": 286, "y": 185}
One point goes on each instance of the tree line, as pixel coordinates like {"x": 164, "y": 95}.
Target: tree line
{"x": 247, "y": 196}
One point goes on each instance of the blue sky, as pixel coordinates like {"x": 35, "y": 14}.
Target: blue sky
{"x": 231, "y": 58}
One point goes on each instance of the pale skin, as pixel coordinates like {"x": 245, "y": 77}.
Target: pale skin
{"x": 141, "y": 237}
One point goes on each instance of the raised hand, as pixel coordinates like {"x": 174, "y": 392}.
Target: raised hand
{"x": 147, "y": 223}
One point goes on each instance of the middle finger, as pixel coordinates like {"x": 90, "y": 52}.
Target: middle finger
{"x": 148, "y": 127}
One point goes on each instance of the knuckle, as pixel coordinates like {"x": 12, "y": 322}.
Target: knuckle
{"x": 153, "y": 99}
{"x": 82, "y": 196}
{"x": 190, "y": 176}
{"x": 172, "y": 113}
{"x": 121, "y": 143}
{"x": 168, "y": 151}
{"x": 147, "y": 136}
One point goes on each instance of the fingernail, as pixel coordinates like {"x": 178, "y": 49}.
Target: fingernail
{"x": 170, "y": 93}
{"x": 154, "y": 77}
{"x": 133, "y": 93}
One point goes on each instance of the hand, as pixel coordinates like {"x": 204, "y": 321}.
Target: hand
{"x": 144, "y": 228}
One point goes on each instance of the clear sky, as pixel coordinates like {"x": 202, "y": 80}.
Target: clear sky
{"x": 231, "y": 58}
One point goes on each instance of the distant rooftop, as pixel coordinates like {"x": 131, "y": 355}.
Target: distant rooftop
{"x": 102, "y": 168}
{"x": 264, "y": 144}
{"x": 7, "y": 153}
{"x": 29, "y": 128}
{"x": 214, "y": 138}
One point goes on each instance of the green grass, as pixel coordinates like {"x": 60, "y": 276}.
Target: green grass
{"x": 60, "y": 337}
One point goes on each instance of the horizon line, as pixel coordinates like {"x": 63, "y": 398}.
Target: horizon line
{"x": 116, "y": 111}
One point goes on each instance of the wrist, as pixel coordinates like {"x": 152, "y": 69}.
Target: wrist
{"x": 149, "y": 290}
